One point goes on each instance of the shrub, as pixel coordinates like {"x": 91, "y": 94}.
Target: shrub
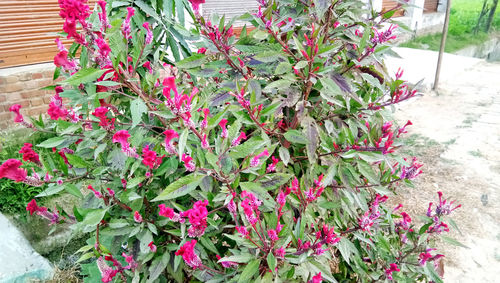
{"x": 14, "y": 196}
{"x": 268, "y": 156}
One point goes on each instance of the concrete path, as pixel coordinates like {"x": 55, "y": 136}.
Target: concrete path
{"x": 457, "y": 133}
{"x": 19, "y": 263}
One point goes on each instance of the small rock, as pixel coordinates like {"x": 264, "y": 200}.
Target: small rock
{"x": 484, "y": 199}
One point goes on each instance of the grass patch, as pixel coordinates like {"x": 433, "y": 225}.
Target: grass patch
{"x": 463, "y": 19}
{"x": 475, "y": 153}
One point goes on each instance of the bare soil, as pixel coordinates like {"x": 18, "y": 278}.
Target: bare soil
{"x": 456, "y": 133}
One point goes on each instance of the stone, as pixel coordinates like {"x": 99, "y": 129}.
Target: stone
{"x": 19, "y": 262}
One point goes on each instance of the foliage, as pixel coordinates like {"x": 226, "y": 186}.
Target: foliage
{"x": 463, "y": 19}
{"x": 167, "y": 19}
{"x": 14, "y": 196}
{"x": 259, "y": 157}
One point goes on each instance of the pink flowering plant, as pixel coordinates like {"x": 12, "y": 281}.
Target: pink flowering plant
{"x": 267, "y": 155}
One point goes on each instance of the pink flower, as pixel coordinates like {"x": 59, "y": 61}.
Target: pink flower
{"x": 126, "y": 24}
{"x": 169, "y": 85}
{"x": 250, "y": 205}
{"x": 223, "y": 124}
{"x": 272, "y": 235}
{"x": 147, "y": 65}
{"x": 107, "y": 124}
{"x": 272, "y": 167}
{"x": 137, "y": 217}
{"x": 196, "y": 4}
{"x": 107, "y": 272}
{"x": 242, "y": 230}
{"x": 204, "y": 142}
{"x": 10, "y": 170}
{"x": 403, "y": 129}
{"x": 104, "y": 51}
{"x": 149, "y": 33}
{"x": 238, "y": 139}
{"x": 132, "y": 265}
{"x": 71, "y": 11}
{"x": 198, "y": 218}
{"x": 150, "y": 158}
{"x": 102, "y": 16}
{"x": 121, "y": 137}
{"x": 16, "y": 109}
{"x": 152, "y": 247}
{"x": 382, "y": 37}
{"x": 169, "y": 213}
{"x": 256, "y": 159}
{"x": 204, "y": 123}
{"x": 188, "y": 254}
{"x": 169, "y": 135}
{"x": 29, "y": 154}
{"x": 445, "y": 207}
{"x": 111, "y": 192}
{"x": 316, "y": 278}
{"x": 32, "y": 206}
{"x": 280, "y": 252}
{"x": 96, "y": 193}
{"x": 56, "y": 108}
{"x": 61, "y": 60}
{"x": 60, "y": 45}
{"x": 188, "y": 162}
{"x": 412, "y": 171}
{"x": 201, "y": 50}
{"x": 393, "y": 268}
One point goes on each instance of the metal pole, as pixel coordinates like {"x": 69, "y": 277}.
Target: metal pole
{"x": 443, "y": 42}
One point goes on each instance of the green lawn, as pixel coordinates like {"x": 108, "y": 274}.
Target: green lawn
{"x": 463, "y": 19}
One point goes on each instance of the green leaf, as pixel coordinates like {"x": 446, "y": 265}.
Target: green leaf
{"x": 272, "y": 181}
{"x": 84, "y": 76}
{"x": 85, "y": 257}
{"x": 247, "y": 148}
{"x": 94, "y": 217}
{"x": 346, "y": 249}
{"x": 72, "y": 189}
{"x": 249, "y": 271}
{"x": 301, "y": 64}
{"x": 271, "y": 261}
{"x": 330, "y": 86}
{"x": 192, "y": 61}
{"x": 295, "y": 136}
{"x": 389, "y": 14}
{"x": 312, "y": 135}
{"x": 182, "y": 141}
{"x": 157, "y": 266}
{"x": 279, "y": 84}
{"x": 134, "y": 182}
{"x": 283, "y": 67}
{"x": 209, "y": 245}
{"x": 180, "y": 187}
{"x": 241, "y": 258}
{"x": 77, "y": 161}
{"x": 284, "y": 155}
{"x": 453, "y": 242}
{"x": 51, "y": 190}
{"x": 268, "y": 56}
{"x": 52, "y": 142}
{"x": 137, "y": 108}
{"x": 367, "y": 171}
{"x": 260, "y": 34}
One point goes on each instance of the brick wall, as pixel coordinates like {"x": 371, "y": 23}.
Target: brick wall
{"x": 21, "y": 85}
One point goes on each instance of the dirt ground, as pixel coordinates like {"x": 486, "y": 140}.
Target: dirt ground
{"x": 456, "y": 133}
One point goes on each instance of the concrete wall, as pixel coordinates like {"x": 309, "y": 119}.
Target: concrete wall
{"x": 21, "y": 85}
